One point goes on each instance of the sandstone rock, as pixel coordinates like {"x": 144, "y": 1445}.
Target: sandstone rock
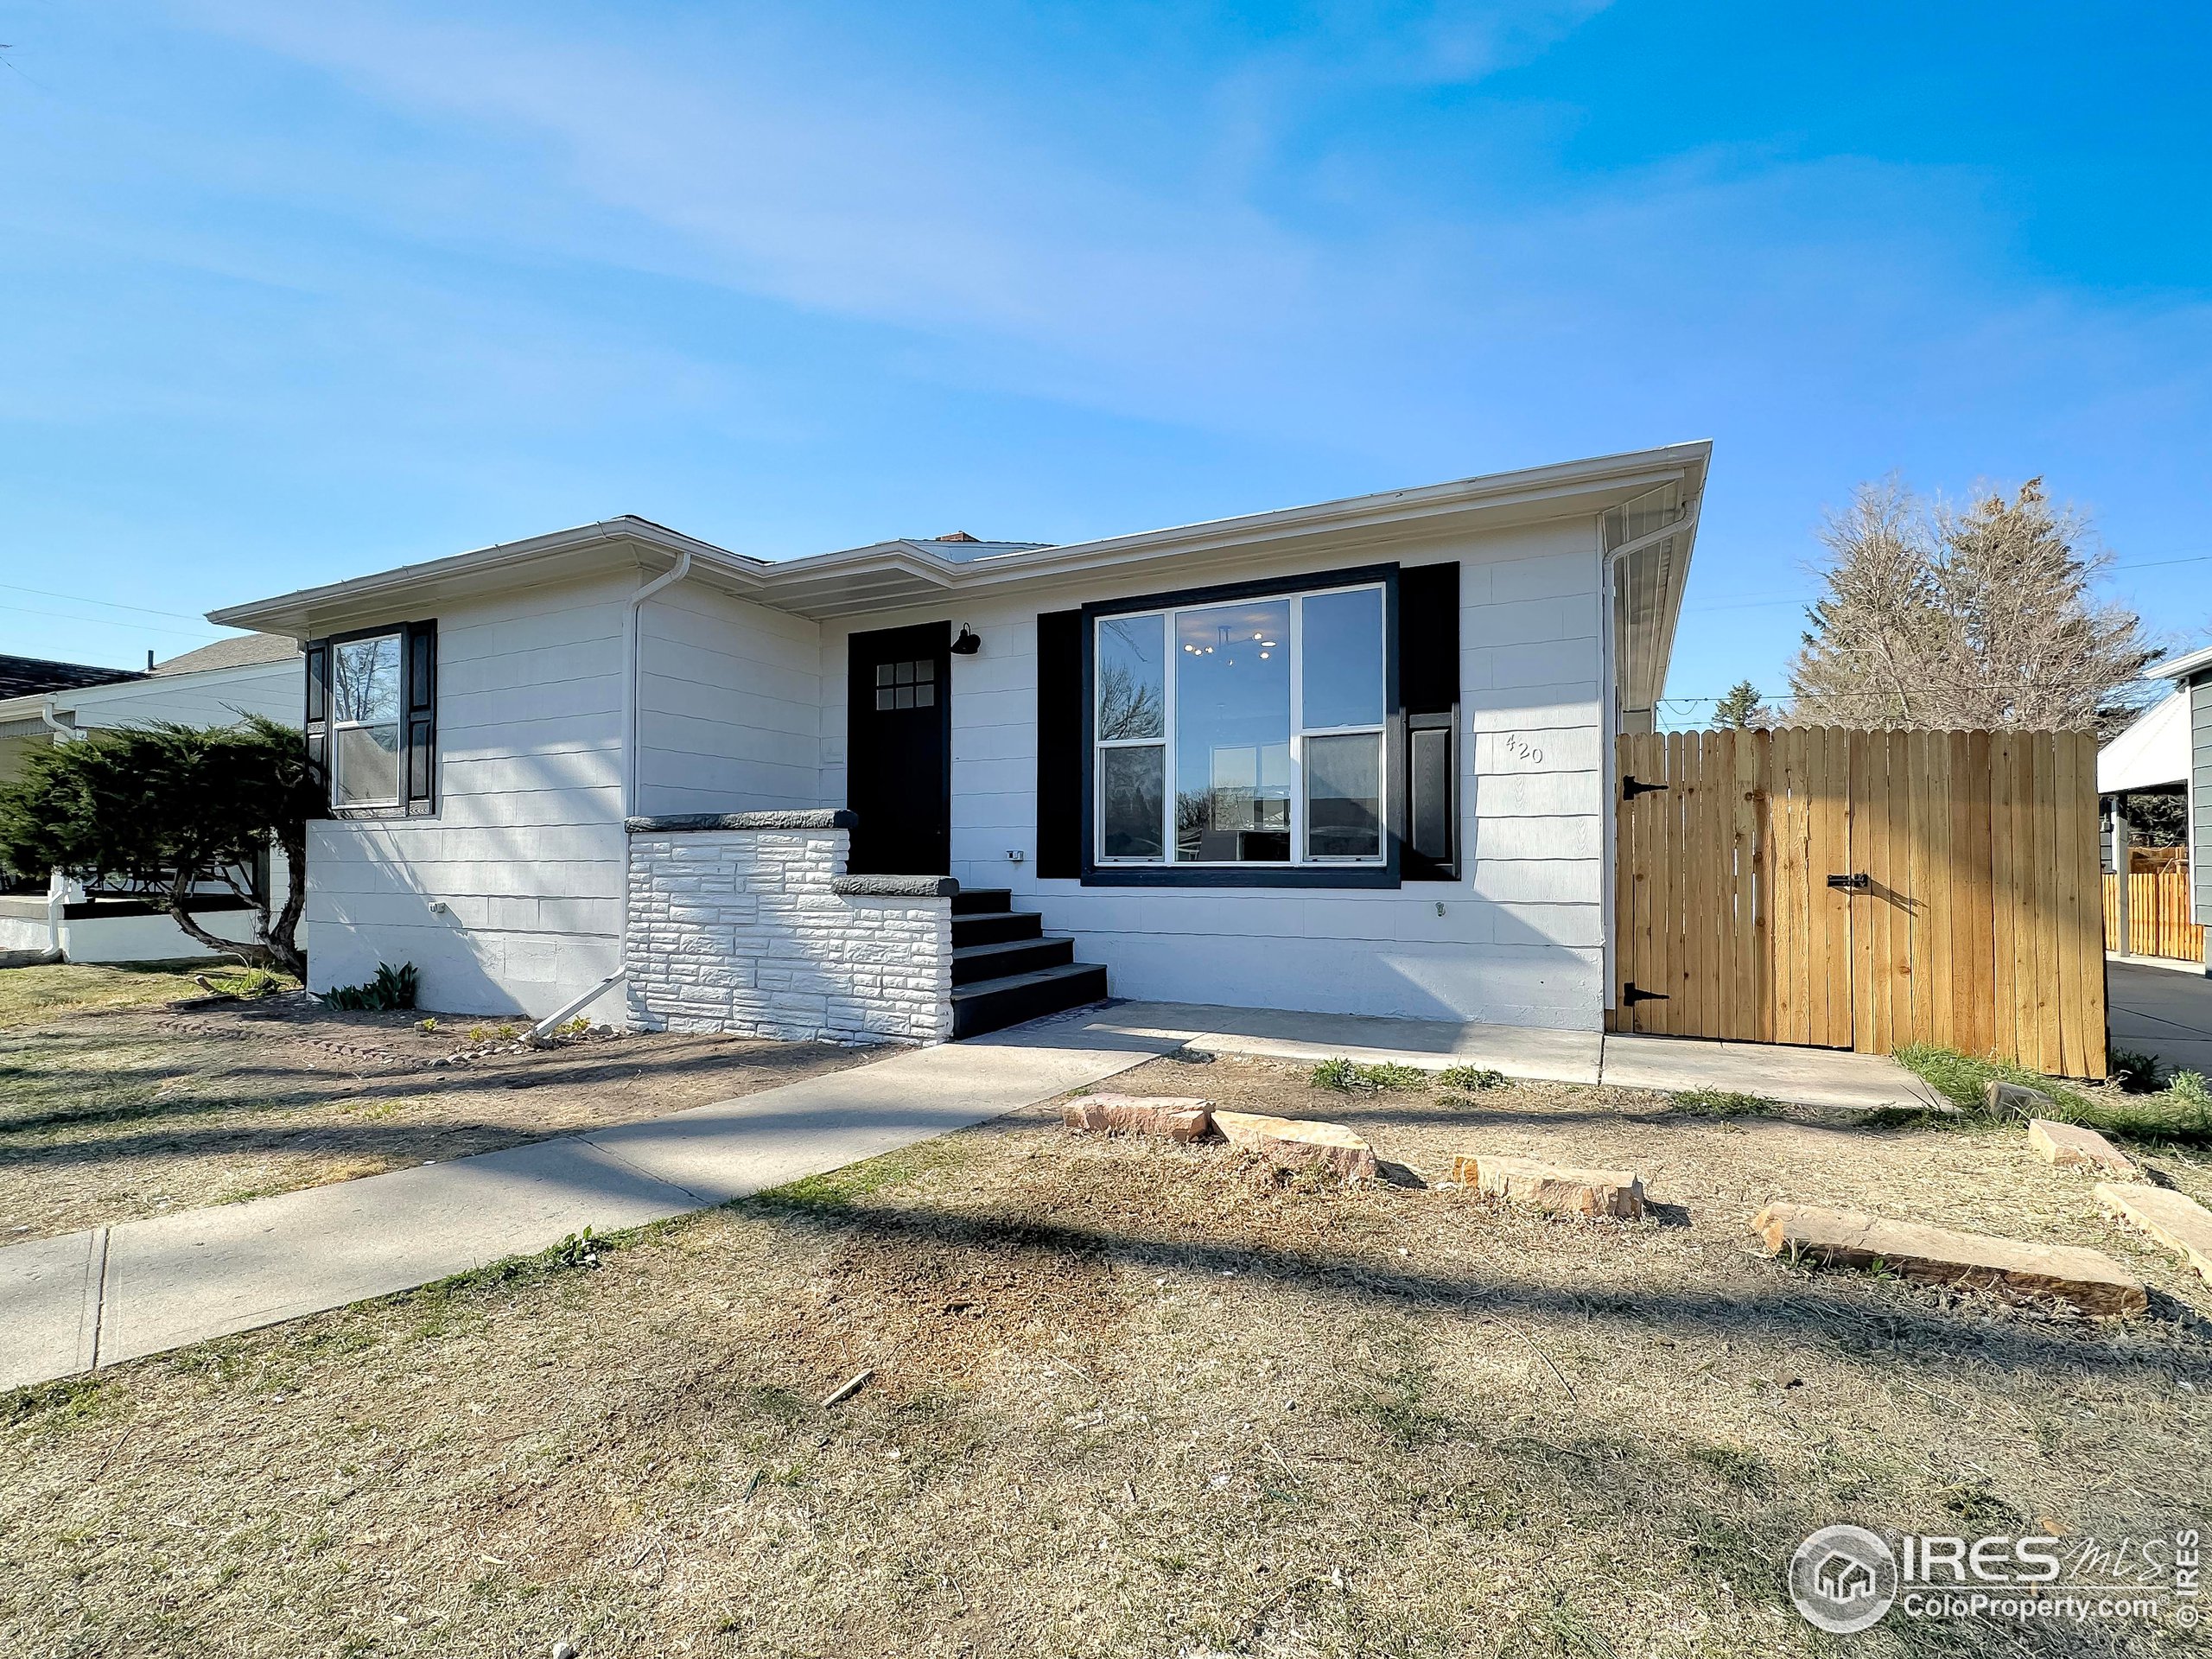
{"x": 2089, "y": 1280}
{"x": 1172, "y": 1117}
{"x": 2174, "y": 1219}
{"x": 2071, "y": 1147}
{"x": 2006, "y": 1098}
{"x": 1294, "y": 1143}
{"x": 1551, "y": 1186}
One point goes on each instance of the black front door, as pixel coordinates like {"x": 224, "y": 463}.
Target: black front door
{"x": 899, "y": 750}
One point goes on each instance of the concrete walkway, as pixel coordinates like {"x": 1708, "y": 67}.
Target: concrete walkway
{"x": 90, "y": 1298}
{"x": 2163, "y": 1009}
{"x": 1802, "y": 1077}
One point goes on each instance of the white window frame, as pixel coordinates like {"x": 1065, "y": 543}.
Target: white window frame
{"x": 1300, "y": 858}
{"x": 398, "y": 636}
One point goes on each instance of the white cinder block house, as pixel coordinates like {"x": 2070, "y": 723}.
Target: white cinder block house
{"x": 1352, "y": 757}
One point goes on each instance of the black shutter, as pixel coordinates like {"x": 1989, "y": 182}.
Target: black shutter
{"x": 1428, "y": 678}
{"x": 1060, "y": 744}
{"x": 317, "y": 724}
{"x": 419, "y": 643}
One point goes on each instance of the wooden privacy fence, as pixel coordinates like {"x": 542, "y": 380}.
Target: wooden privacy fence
{"x": 1864, "y": 890}
{"x": 2158, "y": 912}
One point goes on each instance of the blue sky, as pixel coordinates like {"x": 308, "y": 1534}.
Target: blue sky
{"x": 296, "y": 292}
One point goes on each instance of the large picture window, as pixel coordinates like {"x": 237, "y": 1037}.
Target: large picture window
{"x": 1241, "y": 732}
{"x": 365, "y": 726}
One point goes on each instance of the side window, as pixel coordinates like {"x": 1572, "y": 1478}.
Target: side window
{"x": 372, "y": 719}
{"x": 365, "y": 724}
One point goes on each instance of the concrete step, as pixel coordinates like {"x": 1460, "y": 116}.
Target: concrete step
{"x": 996, "y": 927}
{"x": 993, "y": 1004}
{"x": 970, "y": 901}
{"x": 974, "y": 961}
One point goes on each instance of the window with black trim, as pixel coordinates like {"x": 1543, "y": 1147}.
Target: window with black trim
{"x": 373, "y": 719}
{"x": 367, "y": 726}
{"x": 1243, "y": 732}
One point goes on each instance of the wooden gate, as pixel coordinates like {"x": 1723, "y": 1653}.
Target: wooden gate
{"x": 1864, "y": 890}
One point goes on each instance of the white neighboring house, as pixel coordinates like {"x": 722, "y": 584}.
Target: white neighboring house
{"x": 215, "y": 685}
{"x": 1355, "y": 757}
{"x": 2170, "y": 747}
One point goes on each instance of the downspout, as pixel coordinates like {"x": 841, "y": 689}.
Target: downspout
{"x": 668, "y": 578}
{"x": 57, "y": 884}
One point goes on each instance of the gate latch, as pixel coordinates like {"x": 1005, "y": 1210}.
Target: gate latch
{"x": 1632, "y": 994}
{"x": 1858, "y": 881}
{"x": 1632, "y": 787}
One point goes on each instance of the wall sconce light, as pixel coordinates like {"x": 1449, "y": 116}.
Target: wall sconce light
{"x": 969, "y": 643}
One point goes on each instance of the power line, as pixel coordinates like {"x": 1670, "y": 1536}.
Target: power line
{"x": 204, "y": 636}
{"x": 111, "y": 604}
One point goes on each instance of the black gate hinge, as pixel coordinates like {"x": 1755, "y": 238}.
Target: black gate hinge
{"x": 1632, "y": 994}
{"x": 1632, "y": 787}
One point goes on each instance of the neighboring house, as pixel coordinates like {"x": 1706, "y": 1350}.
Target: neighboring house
{"x": 2190, "y": 748}
{"x": 1354, "y": 757}
{"x": 256, "y": 673}
{"x": 26, "y": 679}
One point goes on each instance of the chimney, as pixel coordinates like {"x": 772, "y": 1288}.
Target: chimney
{"x": 149, "y": 661}
{"x": 956, "y": 535}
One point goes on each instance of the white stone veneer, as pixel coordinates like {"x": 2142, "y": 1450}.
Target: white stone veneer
{"x": 742, "y": 927}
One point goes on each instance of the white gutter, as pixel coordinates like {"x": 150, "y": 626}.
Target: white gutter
{"x": 668, "y": 578}
{"x": 54, "y": 723}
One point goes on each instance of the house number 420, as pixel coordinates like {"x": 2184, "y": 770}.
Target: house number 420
{"x": 1521, "y": 749}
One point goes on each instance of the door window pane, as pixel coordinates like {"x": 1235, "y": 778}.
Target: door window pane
{"x": 906, "y": 685}
{"x": 1132, "y": 678}
{"x": 1232, "y": 737}
{"x": 1133, "y": 788}
{"x": 1341, "y": 641}
{"x": 1343, "y": 797}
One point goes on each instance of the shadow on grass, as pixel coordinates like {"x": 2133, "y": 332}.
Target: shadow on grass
{"x": 1798, "y": 1305}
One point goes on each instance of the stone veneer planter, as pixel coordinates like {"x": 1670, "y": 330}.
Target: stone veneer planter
{"x": 745, "y": 921}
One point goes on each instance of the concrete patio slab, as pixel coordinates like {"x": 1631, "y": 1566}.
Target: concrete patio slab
{"x": 1273, "y": 1034}
{"x": 206, "y": 1272}
{"x": 1803, "y": 1077}
{"x": 1799, "y": 1076}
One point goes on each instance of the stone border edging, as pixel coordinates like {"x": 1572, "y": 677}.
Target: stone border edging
{"x": 894, "y": 886}
{"x": 826, "y": 818}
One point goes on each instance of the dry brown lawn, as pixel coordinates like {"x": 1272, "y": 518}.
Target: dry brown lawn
{"x": 118, "y": 1111}
{"x": 1131, "y": 1398}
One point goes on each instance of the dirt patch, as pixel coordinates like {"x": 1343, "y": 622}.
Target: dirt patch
{"x": 1132, "y": 1399}
{"x": 115, "y": 1114}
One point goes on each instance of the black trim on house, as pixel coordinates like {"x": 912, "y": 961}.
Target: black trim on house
{"x": 1428, "y": 643}
{"x": 1063, "y": 750}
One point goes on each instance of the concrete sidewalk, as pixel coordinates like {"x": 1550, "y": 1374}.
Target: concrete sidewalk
{"x": 96, "y": 1298}
{"x": 91, "y": 1299}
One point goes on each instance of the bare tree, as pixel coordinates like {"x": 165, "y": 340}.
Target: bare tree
{"x": 1949, "y": 619}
